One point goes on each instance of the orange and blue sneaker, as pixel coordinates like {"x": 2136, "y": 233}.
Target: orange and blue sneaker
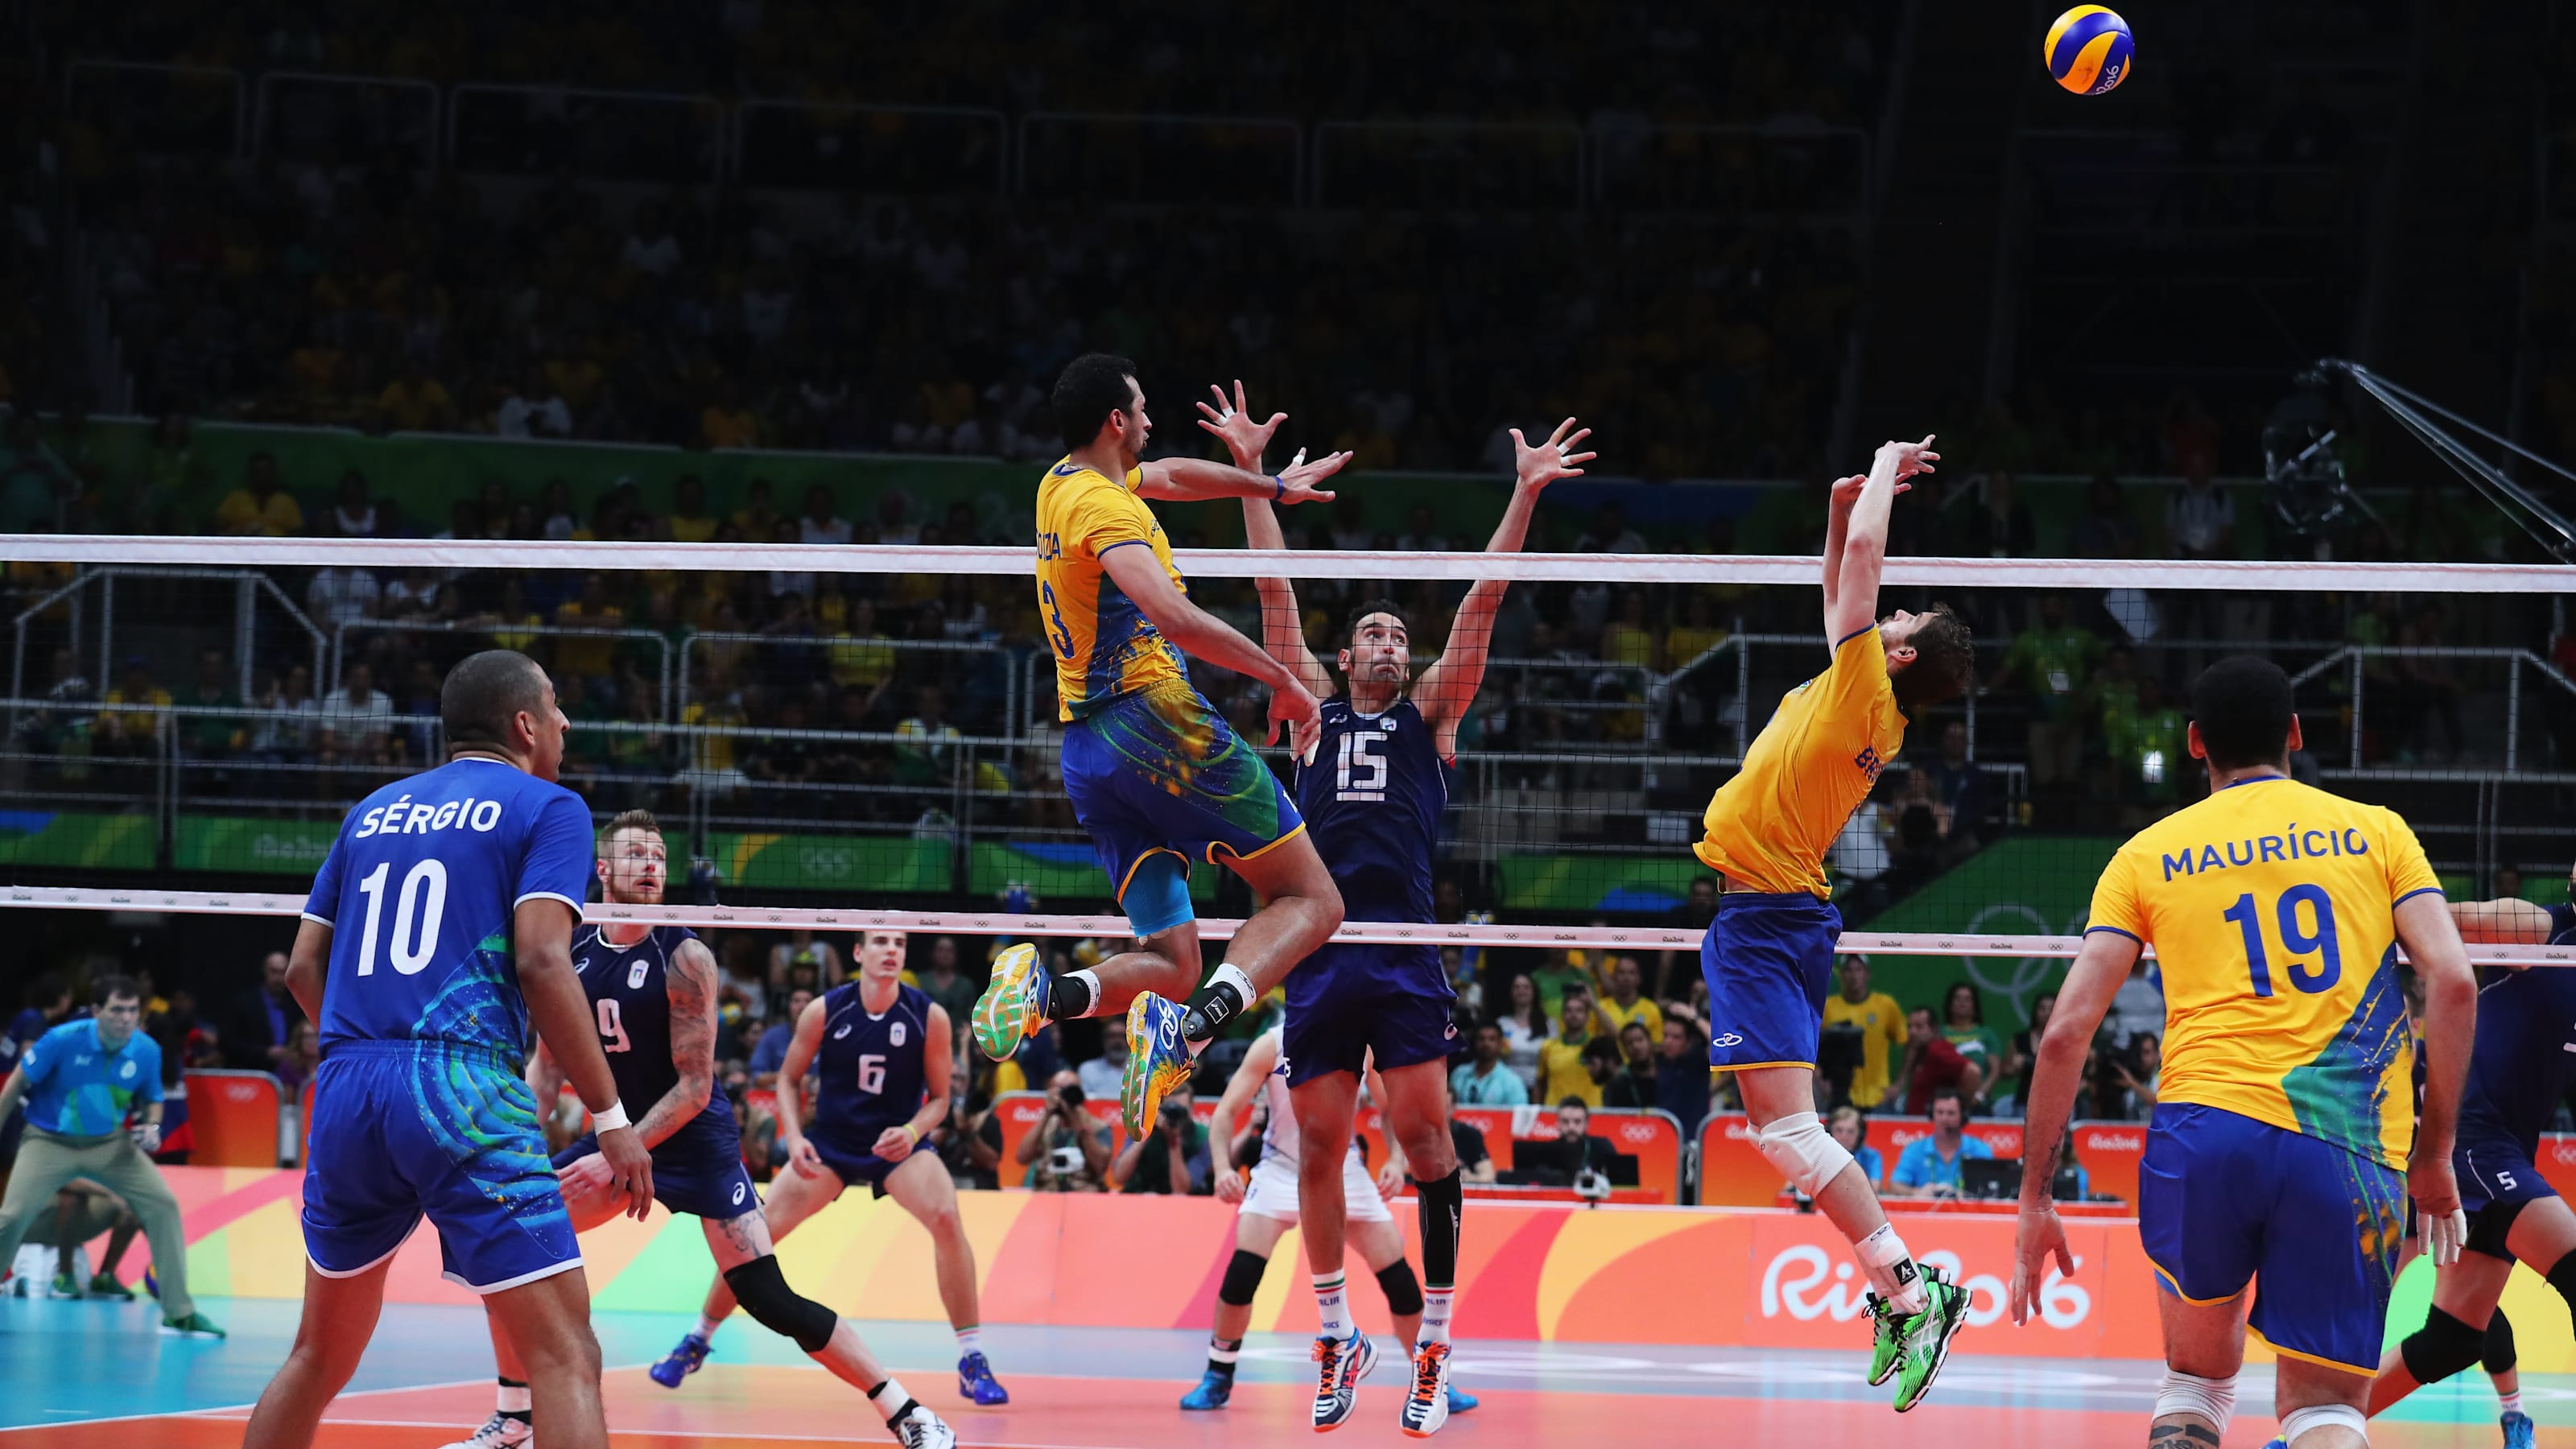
{"x": 1340, "y": 1364}
{"x": 1157, "y": 1060}
{"x": 975, "y": 1381}
{"x": 680, "y": 1362}
{"x": 1013, "y": 1005}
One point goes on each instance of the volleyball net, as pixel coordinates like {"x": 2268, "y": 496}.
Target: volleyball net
{"x": 846, "y": 737}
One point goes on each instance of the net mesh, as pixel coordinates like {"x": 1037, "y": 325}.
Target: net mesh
{"x": 840, "y": 735}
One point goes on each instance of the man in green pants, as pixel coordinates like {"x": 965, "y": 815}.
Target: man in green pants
{"x": 79, "y": 1081}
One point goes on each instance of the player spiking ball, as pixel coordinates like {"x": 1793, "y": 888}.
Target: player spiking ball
{"x": 1154, "y": 772}
{"x": 1768, "y": 956}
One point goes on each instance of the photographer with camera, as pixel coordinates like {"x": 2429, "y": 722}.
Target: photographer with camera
{"x": 1066, "y": 1151}
{"x": 1173, "y": 1158}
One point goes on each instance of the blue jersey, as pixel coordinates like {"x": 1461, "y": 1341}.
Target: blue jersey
{"x": 870, "y": 1067}
{"x": 2525, "y": 1056}
{"x": 419, "y": 891}
{"x": 1372, "y": 800}
{"x": 630, "y": 999}
{"x": 78, "y": 1088}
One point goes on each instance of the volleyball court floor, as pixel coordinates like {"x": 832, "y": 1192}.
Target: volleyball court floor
{"x": 95, "y": 1374}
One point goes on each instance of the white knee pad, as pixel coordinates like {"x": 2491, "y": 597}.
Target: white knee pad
{"x": 1803, "y": 1152}
{"x": 2211, "y": 1399}
{"x": 2300, "y": 1421}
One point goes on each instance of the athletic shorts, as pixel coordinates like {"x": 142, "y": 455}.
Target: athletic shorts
{"x": 1272, "y": 1191}
{"x": 2497, "y": 1181}
{"x": 405, "y": 1129}
{"x": 697, "y": 1170}
{"x": 1159, "y": 770}
{"x": 853, "y": 1163}
{"x": 1769, "y": 963}
{"x": 2224, "y": 1200}
{"x": 1365, "y": 999}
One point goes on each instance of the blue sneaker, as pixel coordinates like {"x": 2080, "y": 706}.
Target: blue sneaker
{"x": 1157, "y": 1061}
{"x": 2517, "y": 1430}
{"x": 1213, "y": 1390}
{"x": 681, "y": 1362}
{"x": 1460, "y": 1401}
{"x": 975, "y": 1381}
{"x": 2278, "y": 1444}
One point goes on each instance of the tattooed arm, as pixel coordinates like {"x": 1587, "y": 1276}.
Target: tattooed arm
{"x": 691, "y": 978}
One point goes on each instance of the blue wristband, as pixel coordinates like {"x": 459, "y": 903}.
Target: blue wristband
{"x": 1278, "y": 487}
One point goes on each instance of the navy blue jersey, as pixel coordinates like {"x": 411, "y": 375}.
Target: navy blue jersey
{"x": 630, "y": 999}
{"x": 419, "y": 891}
{"x": 1372, "y": 800}
{"x": 2526, "y": 1049}
{"x": 870, "y": 1067}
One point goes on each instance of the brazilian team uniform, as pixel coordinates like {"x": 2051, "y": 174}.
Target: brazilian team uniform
{"x": 1150, "y": 766}
{"x": 1768, "y": 956}
{"x": 1373, "y": 798}
{"x": 698, "y": 1169}
{"x": 868, "y": 1077}
{"x": 2278, "y": 1146}
{"x": 2519, "y": 1071}
{"x": 419, "y": 1105}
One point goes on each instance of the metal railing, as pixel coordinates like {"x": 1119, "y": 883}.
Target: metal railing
{"x": 661, "y": 643}
{"x": 611, "y": 135}
{"x": 223, "y": 89}
{"x": 909, "y": 150}
{"x": 1237, "y": 160}
{"x": 249, "y": 586}
{"x": 824, "y": 648}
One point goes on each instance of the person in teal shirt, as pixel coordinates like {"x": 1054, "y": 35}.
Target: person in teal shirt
{"x": 1488, "y": 1081}
{"x": 79, "y": 1085}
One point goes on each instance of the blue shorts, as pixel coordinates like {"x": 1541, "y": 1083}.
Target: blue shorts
{"x": 1160, "y": 771}
{"x": 402, "y": 1129}
{"x": 1350, "y": 1000}
{"x": 697, "y": 1170}
{"x": 854, "y": 1163}
{"x": 2497, "y": 1181}
{"x": 2224, "y": 1200}
{"x": 1769, "y": 964}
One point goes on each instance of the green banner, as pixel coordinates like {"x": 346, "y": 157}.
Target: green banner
{"x": 2022, "y": 885}
{"x": 236, "y": 845}
{"x": 1583, "y": 884}
{"x": 887, "y": 863}
{"x": 1063, "y": 875}
{"x": 93, "y": 842}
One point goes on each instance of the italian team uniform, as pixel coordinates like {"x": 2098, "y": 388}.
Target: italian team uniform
{"x": 2523, "y": 1063}
{"x": 1152, "y": 769}
{"x": 1768, "y": 956}
{"x": 419, "y": 1105}
{"x": 1373, "y": 798}
{"x": 698, "y": 1169}
{"x": 868, "y": 1077}
{"x": 1271, "y": 1191}
{"x": 2278, "y": 1147}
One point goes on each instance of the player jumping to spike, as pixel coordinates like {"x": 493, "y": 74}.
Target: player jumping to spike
{"x": 1373, "y": 793}
{"x": 2282, "y": 1123}
{"x": 884, "y": 1054}
{"x": 1769, "y": 954}
{"x": 652, "y": 993}
{"x": 1154, "y": 772}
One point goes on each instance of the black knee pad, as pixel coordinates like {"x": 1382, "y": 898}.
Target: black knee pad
{"x": 2499, "y": 1358}
{"x": 2441, "y": 1348}
{"x": 2563, "y": 1278}
{"x": 1403, "y": 1290}
{"x": 763, "y": 1293}
{"x": 1242, "y": 1278}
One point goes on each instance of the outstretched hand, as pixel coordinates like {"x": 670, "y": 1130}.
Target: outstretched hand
{"x": 1846, "y": 491}
{"x": 1231, "y": 420}
{"x": 1911, "y": 458}
{"x": 1536, "y": 467}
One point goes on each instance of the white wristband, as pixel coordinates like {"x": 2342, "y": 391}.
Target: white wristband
{"x": 610, "y": 1118}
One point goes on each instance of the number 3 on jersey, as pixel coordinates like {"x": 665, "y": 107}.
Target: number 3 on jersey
{"x": 2297, "y": 937}
{"x": 1359, "y": 772}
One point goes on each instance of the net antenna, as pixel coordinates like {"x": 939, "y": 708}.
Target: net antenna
{"x": 2417, "y": 414}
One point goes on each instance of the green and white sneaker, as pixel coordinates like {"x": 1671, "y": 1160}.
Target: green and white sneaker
{"x": 1887, "y": 1337}
{"x": 1927, "y": 1338}
{"x": 104, "y": 1285}
{"x": 195, "y": 1325}
{"x": 1013, "y": 1006}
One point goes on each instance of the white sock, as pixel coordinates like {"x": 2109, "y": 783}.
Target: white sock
{"x": 1435, "y": 1314}
{"x": 1891, "y": 1269}
{"x": 970, "y": 1340}
{"x": 1091, "y": 988}
{"x": 513, "y": 1399}
{"x": 2509, "y": 1403}
{"x": 707, "y": 1327}
{"x": 1333, "y": 1305}
{"x": 889, "y": 1398}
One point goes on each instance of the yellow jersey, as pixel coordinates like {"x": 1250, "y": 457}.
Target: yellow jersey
{"x": 1811, "y": 766}
{"x": 1882, "y": 1027}
{"x": 1104, "y": 645}
{"x": 2271, "y": 906}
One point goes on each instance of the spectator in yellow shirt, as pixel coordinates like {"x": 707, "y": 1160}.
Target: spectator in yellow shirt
{"x": 260, "y": 508}
{"x": 1561, "y": 1072}
{"x": 1624, "y": 1004}
{"x": 1882, "y": 1025}
{"x": 416, "y": 402}
{"x": 690, "y": 521}
{"x": 588, "y": 654}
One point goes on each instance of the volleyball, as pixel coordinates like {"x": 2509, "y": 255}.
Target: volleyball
{"x": 2088, "y": 50}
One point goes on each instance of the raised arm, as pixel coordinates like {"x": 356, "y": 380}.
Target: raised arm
{"x": 1193, "y": 480}
{"x": 2501, "y": 923}
{"x": 1449, "y": 686}
{"x": 1856, "y": 535}
{"x": 1283, "y": 631}
{"x": 1202, "y": 635}
{"x": 541, "y": 942}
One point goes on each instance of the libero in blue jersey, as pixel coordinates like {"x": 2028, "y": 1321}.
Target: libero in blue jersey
{"x": 1372, "y": 794}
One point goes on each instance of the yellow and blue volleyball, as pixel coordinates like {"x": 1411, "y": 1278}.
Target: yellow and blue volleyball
{"x": 2088, "y": 50}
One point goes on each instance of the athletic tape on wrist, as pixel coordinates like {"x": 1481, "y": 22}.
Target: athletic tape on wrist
{"x": 610, "y": 1118}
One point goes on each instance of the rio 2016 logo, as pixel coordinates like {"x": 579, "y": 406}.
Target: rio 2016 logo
{"x": 1805, "y": 1283}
